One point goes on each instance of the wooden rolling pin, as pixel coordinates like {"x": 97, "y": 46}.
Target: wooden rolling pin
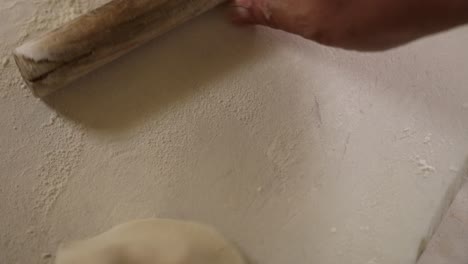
{"x": 59, "y": 57}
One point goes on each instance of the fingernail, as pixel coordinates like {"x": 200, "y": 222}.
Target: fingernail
{"x": 241, "y": 15}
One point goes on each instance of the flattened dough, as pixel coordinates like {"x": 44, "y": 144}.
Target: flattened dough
{"x": 152, "y": 241}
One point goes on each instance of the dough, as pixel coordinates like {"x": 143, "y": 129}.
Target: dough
{"x": 152, "y": 241}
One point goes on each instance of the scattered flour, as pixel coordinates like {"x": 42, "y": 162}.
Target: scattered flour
{"x": 64, "y": 149}
{"x": 51, "y": 14}
{"x": 406, "y": 133}
{"x": 48, "y": 14}
{"x": 424, "y": 166}
{"x": 5, "y": 62}
{"x": 427, "y": 139}
{"x": 453, "y": 168}
{"x": 58, "y": 164}
{"x": 51, "y": 122}
{"x": 364, "y": 228}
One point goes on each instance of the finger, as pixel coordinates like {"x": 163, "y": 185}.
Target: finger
{"x": 251, "y": 12}
{"x": 241, "y": 15}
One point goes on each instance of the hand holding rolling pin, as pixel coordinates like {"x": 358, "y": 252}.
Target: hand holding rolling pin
{"x": 84, "y": 44}
{"x": 355, "y": 24}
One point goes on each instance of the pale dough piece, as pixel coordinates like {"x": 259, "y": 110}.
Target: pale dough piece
{"x": 152, "y": 241}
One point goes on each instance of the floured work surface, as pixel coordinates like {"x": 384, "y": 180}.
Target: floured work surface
{"x": 295, "y": 152}
{"x": 449, "y": 244}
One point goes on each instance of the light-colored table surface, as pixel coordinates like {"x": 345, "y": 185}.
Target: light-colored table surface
{"x": 449, "y": 245}
{"x": 297, "y": 152}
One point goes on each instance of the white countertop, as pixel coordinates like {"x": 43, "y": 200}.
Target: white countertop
{"x": 296, "y": 152}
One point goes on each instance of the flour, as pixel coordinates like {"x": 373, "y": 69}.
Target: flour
{"x": 156, "y": 143}
{"x": 406, "y": 133}
{"x": 364, "y": 228}
{"x": 5, "y": 62}
{"x": 47, "y": 15}
{"x": 30, "y": 231}
{"x": 424, "y": 166}
{"x": 53, "y": 117}
{"x": 60, "y": 161}
{"x": 51, "y": 14}
{"x": 35, "y": 52}
{"x": 427, "y": 139}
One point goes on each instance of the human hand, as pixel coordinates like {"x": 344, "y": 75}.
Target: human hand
{"x": 354, "y": 24}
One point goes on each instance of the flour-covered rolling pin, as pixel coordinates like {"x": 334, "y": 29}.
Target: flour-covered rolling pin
{"x": 98, "y": 37}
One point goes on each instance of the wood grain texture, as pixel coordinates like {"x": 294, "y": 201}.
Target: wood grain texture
{"x": 94, "y": 39}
